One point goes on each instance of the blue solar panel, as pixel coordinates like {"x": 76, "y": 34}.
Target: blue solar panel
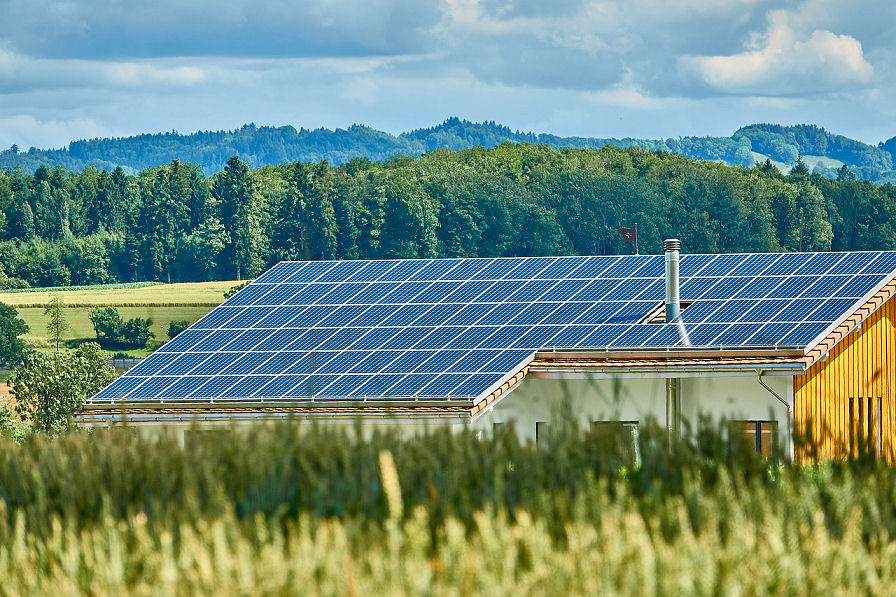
{"x": 476, "y": 384}
{"x": 250, "y": 294}
{"x": 280, "y": 272}
{"x": 538, "y": 337}
{"x": 283, "y": 386}
{"x": 408, "y": 361}
{"x": 884, "y": 264}
{"x": 499, "y": 291}
{"x": 754, "y": 265}
{"x": 184, "y": 363}
{"x": 311, "y": 271}
{"x": 371, "y": 294}
{"x": 818, "y": 264}
{"x": 859, "y": 286}
{"x": 440, "y": 337}
{"x": 375, "y": 338}
{"x": 561, "y": 268}
{"x": 310, "y": 362}
{"x": 694, "y": 288}
{"x": 624, "y": 268}
{"x": 407, "y": 337}
{"x": 497, "y": 269}
{"x": 153, "y": 363}
{"x": 184, "y": 340}
{"x": 278, "y": 295}
{"x": 531, "y": 291}
{"x": 215, "y": 386}
{"x": 690, "y": 265}
{"x": 217, "y": 318}
{"x": 309, "y": 294}
{"x": 151, "y": 387}
{"x": 505, "y": 336}
{"x": 566, "y": 313}
{"x": 279, "y": 317}
{"x": 377, "y": 385}
{"x": 468, "y": 291}
{"x": 437, "y": 315}
{"x": 722, "y": 265}
{"x": 375, "y": 362}
{"x": 403, "y": 270}
{"x": 529, "y": 268}
{"x": 436, "y": 269}
{"x": 535, "y": 313}
{"x": 798, "y": 310}
{"x": 447, "y": 327}
{"x": 466, "y": 269}
{"x": 737, "y": 334}
{"x": 372, "y": 271}
{"x": 507, "y": 360}
{"x": 441, "y": 361}
{"x": 183, "y": 387}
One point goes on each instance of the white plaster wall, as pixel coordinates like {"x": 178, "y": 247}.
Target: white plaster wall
{"x": 637, "y": 399}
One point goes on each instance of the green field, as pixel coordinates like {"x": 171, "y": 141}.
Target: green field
{"x": 163, "y": 303}
{"x": 279, "y": 511}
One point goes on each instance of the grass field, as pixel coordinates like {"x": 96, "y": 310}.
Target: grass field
{"x": 163, "y": 303}
{"x": 279, "y": 511}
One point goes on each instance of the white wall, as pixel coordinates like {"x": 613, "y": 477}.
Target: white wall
{"x": 636, "y": 399}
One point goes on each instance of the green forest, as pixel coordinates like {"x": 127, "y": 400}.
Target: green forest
{"x": 269, "y": 145}
{"x": 173, "y": 223}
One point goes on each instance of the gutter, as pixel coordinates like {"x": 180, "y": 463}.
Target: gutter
{"x": 787, "y": 405}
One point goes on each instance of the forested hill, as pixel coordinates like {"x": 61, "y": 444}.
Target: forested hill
{"x": 259, "y": 146}
{"x": 173, "y": 222}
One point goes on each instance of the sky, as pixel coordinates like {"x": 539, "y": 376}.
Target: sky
{"x": 637, "y": 68}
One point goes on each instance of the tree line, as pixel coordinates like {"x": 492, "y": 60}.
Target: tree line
{"x": 174, "y": 223}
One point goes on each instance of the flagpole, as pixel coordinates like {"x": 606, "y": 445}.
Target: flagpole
{"x": 636, "y": 239}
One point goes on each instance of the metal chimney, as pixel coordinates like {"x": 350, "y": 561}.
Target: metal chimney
{"x": 673, "y": 302}
{"x": 673, "y": 310}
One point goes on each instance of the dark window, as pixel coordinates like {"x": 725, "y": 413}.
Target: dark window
{"x": 865, "y": 426}
{"x": 541, "y": 431}
{"x": 757, "y": 435}
{"x": 619, "y": 437}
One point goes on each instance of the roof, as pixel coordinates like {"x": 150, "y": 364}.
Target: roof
{"x": 350, "y": 332}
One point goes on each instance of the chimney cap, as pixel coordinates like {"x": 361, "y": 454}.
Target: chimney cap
{"x": 671, "y": 244}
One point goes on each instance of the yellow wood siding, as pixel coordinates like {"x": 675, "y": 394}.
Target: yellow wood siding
{"x": 831, "y": 400}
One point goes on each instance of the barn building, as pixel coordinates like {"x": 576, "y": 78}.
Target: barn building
{"x": 776, "y": 344}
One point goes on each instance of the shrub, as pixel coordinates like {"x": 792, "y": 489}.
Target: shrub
{"x": 176, "y": 327}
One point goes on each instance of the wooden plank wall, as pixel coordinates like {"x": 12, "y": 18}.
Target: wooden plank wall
{"x": 860, "y": 366}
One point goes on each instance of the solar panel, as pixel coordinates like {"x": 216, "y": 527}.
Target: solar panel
{"x": 454, "y": 327}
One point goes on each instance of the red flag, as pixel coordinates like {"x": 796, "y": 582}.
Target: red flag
{"x": 629, "y": 235}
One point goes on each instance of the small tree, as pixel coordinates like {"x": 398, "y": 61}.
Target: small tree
{"x": 106, "y": 323}
{"x": 136, "y": 333}
{"x": 11, "y": 327}
{"x": 57, "y": 324}
{"x": 176, "y": 327}
{"x": 49, "y": 388}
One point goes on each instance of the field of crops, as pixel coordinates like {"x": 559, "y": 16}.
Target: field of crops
{"x": 163, "y": 303}
{"x": 324, "y": 511}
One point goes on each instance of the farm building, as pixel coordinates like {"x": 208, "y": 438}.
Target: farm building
{"x": 774, "y": 343}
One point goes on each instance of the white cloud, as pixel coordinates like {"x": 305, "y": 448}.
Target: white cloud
{"x": 783, "y": 62}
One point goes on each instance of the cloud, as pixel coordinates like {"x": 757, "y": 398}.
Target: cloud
{"x": 782, "y": 63}
{"x": 20, "y": 73}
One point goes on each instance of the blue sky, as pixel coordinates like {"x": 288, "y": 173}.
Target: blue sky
{"x": 640, "y": 68}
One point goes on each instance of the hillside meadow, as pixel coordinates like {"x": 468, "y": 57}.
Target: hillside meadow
{"x": 162, "y": 303}
{"x": 327, "y": 511}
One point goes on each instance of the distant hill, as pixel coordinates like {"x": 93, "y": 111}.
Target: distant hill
{"x": 265, "y": 145}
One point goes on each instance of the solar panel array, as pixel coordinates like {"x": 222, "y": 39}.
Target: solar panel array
{"x": 453, "y": 328}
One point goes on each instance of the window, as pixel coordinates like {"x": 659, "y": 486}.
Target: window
{"x": 618, "y": 436}
{"x": 865, "y": 426}
{"x": 541, "y": 431}
{"x": 757, "y": 435}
